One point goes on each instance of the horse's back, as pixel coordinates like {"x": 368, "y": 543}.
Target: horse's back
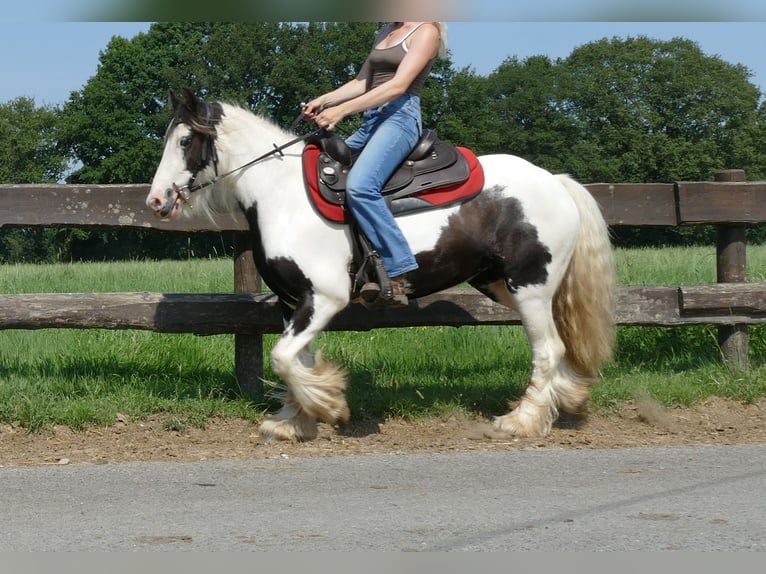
{"x": 543, "y": 198}
{"x": 519, "y": 176}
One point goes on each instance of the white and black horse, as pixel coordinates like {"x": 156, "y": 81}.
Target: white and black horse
{"x": 530, "y": 240}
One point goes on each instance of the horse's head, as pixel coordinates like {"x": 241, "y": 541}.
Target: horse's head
{"x": 189, "y": 153}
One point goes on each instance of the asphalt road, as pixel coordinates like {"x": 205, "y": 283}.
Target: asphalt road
{"x": 681, "y": 498}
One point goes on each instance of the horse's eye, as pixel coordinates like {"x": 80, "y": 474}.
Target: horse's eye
{"x": 185, "y": 141}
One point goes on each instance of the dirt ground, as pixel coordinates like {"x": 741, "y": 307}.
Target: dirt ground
{"x": 639, "y": 424}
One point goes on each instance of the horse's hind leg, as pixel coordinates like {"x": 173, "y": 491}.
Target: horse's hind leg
{"x": 553, "y": 385}
{"x": 314, "y": 387}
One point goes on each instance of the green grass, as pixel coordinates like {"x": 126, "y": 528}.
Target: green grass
{"x": 86, "y": 377}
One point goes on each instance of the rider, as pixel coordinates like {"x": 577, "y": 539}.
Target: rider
{"x": 387, "y": 89}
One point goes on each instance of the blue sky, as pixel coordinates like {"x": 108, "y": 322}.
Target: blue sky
{"x": 47, "y": 60}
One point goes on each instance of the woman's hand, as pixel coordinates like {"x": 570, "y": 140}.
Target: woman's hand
{"x": 328, "y": 118}
{"x": 311, "y": 109}
{"x": 330, "y": 108}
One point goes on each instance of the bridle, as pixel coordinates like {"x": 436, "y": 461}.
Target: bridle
{"x": 183, "y": 193}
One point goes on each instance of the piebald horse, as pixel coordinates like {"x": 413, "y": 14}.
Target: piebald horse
{"x": 531, "y": 240}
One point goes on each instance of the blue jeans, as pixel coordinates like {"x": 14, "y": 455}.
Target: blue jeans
{"x": 387, "y": 136}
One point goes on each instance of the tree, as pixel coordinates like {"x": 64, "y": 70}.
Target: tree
{"x": 456, "y": 105}
{"x": 658, "y": 111}
{"x": 316, "y": 58}
{"x": 114, "y": 126}
{"x": 654, "y": 111}
{"x": 614, "y": 110}
{"x": 29, "y": 154}
{"x": 529, "y": 118}
{"x": 28, "y": 151}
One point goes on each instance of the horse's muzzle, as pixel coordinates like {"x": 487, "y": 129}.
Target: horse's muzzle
{"x": 165, "y": 207}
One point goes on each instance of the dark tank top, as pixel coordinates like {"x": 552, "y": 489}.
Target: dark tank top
{"x": 382, "y": 63}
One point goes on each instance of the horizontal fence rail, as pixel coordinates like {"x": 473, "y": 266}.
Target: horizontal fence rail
{"x": 647, "y": 204}
{"x": 252, "y": 314}
{"x": 730, "y": 203}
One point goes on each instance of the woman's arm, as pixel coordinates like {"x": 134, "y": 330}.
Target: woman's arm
{"x": 423, "y": 46}
{"x": 347, "y": 91}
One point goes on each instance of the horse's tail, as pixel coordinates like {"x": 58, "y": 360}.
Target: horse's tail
{"x": 584, "y": 305}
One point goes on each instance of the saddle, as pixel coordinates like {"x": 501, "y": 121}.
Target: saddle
{"x": 435, "y": 174}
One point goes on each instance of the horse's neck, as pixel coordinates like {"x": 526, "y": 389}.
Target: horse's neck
{"x": 275, "y": 183}
{"x": 244, "y": 136}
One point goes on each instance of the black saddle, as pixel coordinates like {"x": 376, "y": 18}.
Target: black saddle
{"x": 432, "y": 164}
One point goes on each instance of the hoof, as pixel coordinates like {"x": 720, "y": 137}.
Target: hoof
{"x": 524, "y": 423}
{"x": 299, "y": 428}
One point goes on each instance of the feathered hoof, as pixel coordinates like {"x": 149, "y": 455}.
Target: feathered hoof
{"x": 322, "y": 395}
{"x": 298, "y": 428}
{"x": 525, "y": 421}
{"x": 333, "y": 410}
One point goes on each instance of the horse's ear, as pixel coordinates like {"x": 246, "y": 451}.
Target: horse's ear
{"x": 175, "y": 101}
{"x": 190, "y": 100}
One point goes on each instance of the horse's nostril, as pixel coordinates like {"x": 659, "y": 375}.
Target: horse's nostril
{"x": 154, "y": 203}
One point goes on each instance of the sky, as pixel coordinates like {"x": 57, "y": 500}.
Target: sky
{"x": 47, "y": 60}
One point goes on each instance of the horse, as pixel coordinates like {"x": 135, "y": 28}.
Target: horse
{"x": 531, "y": 240}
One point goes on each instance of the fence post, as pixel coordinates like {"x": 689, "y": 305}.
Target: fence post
{"x": 731, "y": 267}
{"x": 248, "y": 349}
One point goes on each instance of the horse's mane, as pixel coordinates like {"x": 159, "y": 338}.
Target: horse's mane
{"x": 240, "y": 135}
{"x": 237, "y": 118}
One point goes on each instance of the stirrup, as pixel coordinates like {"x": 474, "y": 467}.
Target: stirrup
{"x": 378, "y": 285}
{"x": 373, "y": 297}
{"x": 379, "y": 290}
{"x": 369, "y": 292}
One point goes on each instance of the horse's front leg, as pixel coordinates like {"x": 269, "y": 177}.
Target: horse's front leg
{"x": 315, "y": 388}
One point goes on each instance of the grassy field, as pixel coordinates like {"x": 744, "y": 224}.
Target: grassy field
{"x": 82, "y": 378}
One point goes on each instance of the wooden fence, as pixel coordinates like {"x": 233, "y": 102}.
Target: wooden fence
{"x": 730, "y": 203}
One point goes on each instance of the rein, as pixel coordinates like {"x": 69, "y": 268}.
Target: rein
{"x": 184, "y": 192}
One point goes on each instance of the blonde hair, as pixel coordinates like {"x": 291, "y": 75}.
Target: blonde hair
{"x": 442, "y": 26}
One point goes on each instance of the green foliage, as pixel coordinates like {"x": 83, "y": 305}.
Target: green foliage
{"x": 28, "y": 143}
{"x": 632, "y": 109}
{"x": 524, "y": 99}
{"x": 660, "y": 111}
{"x": 36, "y": 245}
{"x": 115, "y": 125}
{"x": 614, "y": 110}
{"x": 461, "y": 120}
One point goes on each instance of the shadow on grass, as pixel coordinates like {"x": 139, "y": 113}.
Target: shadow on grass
{"x": 373, "y": 397}
{"x": 437, "y": 386}
{"x": 88, "y": 376}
